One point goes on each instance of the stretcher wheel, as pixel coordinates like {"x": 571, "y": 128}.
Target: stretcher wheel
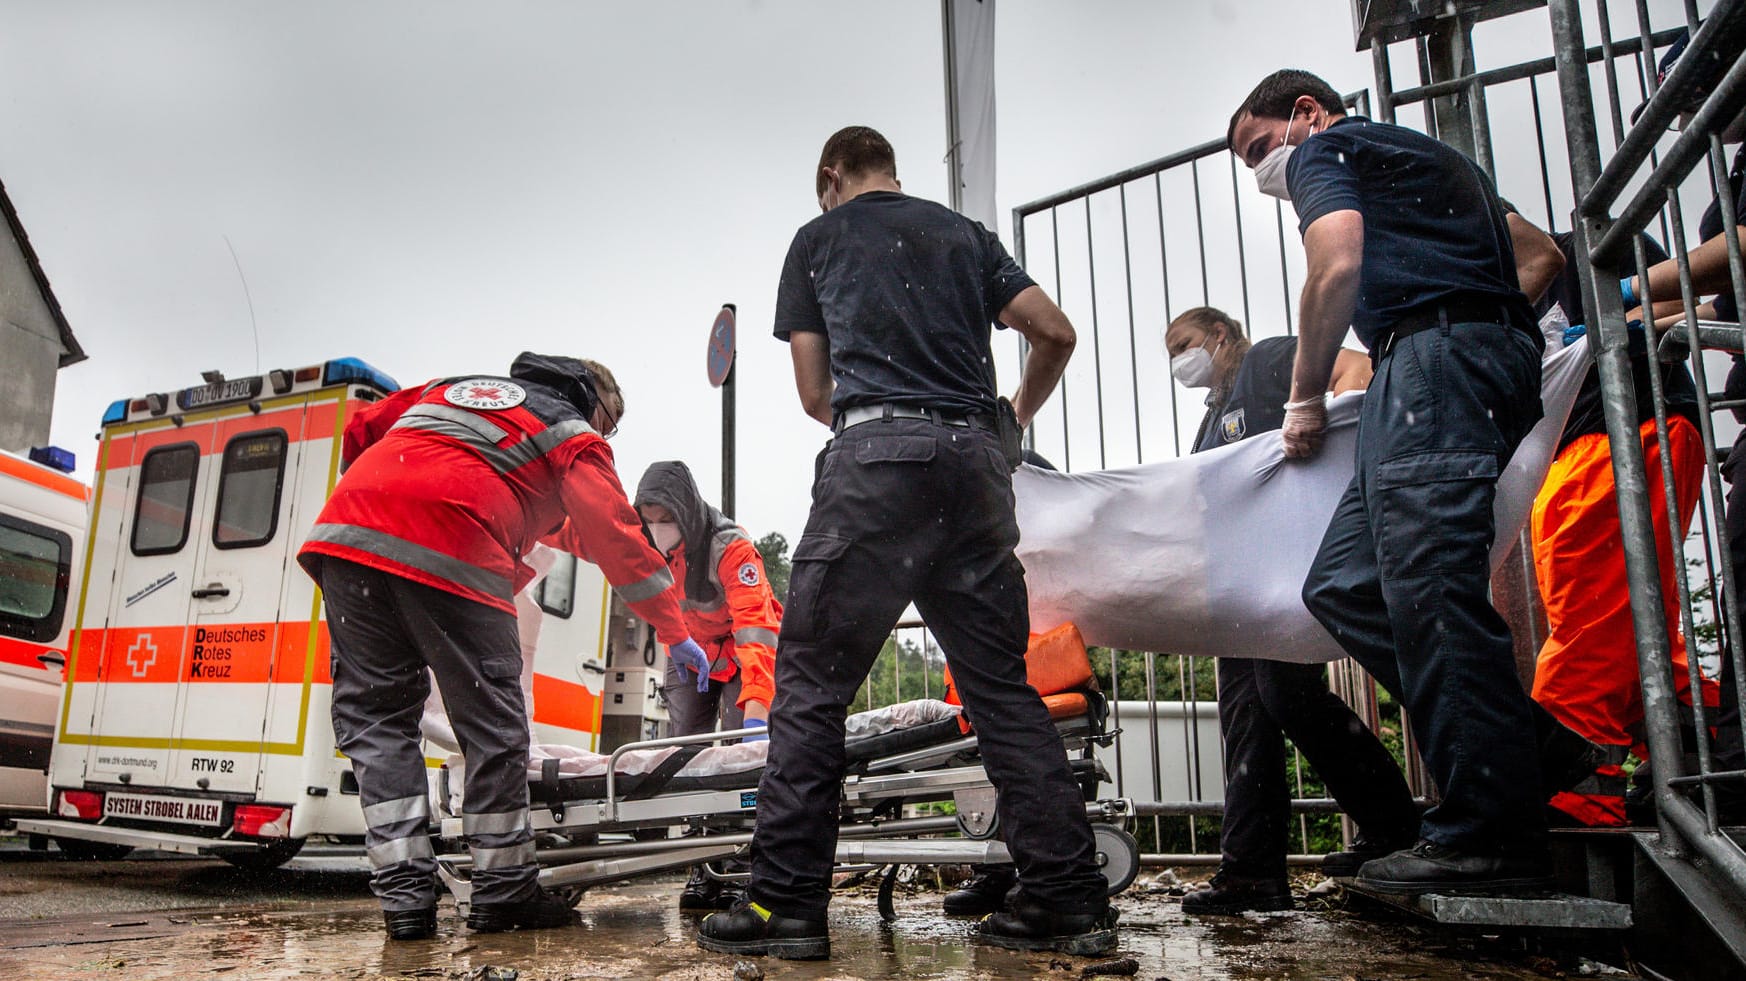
{"x": 1118, "y": 856}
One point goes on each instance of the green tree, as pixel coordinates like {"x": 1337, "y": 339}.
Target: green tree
{"x": 774, "y": 548}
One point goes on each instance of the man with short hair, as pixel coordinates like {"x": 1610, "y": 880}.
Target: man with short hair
{"x": 1407, "y": 243}
{"x": 886, "y": 302}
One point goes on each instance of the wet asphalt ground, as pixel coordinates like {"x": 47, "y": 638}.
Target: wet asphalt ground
{"x": 164, "y": 916}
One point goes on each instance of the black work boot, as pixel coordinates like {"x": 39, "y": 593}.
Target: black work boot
{"x": 1430, "y": 867}
{"x": 751, "y": 929}
{"x": 410, "y": 924}
{"x": 1566, "y": 758}
{"x": 1032, "y": 926}
{"x": 542, "y": 912}
{"x": 983, "y": 893}
{"x": 1229, "y": 894}
{"x": 1344, "y": 865}
{"x": 704, "y": 893}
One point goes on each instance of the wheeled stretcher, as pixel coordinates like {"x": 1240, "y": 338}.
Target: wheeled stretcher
{"x": 600, "y": 818}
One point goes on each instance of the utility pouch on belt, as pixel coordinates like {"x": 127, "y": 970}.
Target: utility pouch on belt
{"x": 1011, "y": 434}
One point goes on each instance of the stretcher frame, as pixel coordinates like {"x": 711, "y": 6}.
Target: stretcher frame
{"x": 870, "y": 834}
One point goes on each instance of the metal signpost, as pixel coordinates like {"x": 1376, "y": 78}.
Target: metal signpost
{"x": 721, "y": 375}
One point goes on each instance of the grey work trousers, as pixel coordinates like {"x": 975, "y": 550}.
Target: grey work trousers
{"x": 386, "y": 630}
{"x": 693, "y": 712}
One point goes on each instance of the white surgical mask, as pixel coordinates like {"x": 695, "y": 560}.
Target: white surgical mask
{"x": 666, "y": 536}
{"x": 1194, "y": 367}
{"x": 1270, "y": 172}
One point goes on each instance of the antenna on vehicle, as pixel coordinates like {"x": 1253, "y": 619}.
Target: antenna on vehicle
{"x": 253, "y": 327}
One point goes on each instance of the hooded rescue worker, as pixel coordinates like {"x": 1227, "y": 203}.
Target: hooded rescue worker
{"x": 729, "y": 610}
{"x": 418, "y": 554}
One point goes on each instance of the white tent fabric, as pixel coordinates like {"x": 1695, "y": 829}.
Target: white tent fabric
{"x": 1206, "y": 555}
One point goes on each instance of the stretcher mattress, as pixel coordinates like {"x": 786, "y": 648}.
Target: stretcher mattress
{"x": 567, "y": 773}
{"x": 1206, "y": 555}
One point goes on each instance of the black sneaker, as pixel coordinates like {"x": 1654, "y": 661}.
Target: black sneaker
{"x": 751, "y": 929}
{"x": 410, "y": 924}
{"x": 1030, "y": 926}
{"x": 983, "y": 893}
{"x": 1344, "y": 865}
{"x": 1228, "y": 894}
{"x": 1430, "y": 867}
{"x": 543, "y": 912}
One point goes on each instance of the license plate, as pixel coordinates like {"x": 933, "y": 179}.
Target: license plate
{"x": 178, "y": 810}
{"x": 233, "y": 390}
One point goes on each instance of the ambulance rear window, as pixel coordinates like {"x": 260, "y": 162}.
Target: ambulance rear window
{"x": 166, "y": 499}
{"x": 35, "y": 566}
{"x": 248, "y": 490}
{"x": 557, "y": 591}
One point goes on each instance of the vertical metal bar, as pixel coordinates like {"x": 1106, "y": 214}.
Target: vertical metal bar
{"x": 1384, "y": 80}
{"x": 1619, "y": 405}
{"x": 1060, "y": 294}
{"x": 1164, "y": 273}
{"x": 1149, "y": 659}
{"x": 1096, "y": 335}
{"x": 1540, "y": 144}
{"x": 1133, "y": 346}
{"x": 1431, "y": 122}
{"x": 1200, "y": 235}
{"x": 1115, "y": 687}
{"x": 1242, "y": 252}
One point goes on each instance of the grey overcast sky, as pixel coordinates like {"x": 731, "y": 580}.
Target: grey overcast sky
{"x": 436, "y": 186}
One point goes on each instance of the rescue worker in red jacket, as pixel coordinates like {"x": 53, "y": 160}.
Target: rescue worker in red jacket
{"x": 418, "y": 554}
{"x": 729, "y": 609}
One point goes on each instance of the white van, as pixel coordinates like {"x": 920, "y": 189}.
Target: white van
{"x": 42, "y": 541}
{"x": 196, "y": 711}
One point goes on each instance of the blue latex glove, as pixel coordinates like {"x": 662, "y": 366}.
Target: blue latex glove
{"x": 687, "y": 654}
{"x": 755, "y": 737}
{"x": 1627, "y": 293}
{"x": 1572, "y": 332}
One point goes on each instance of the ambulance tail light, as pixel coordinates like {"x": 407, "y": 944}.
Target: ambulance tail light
{"x": 341, "y": 370}
{"x": 83, "y": 805}
{"x": 262, "y": 821}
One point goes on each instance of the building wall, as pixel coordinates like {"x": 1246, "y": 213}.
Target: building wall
{"x": 30, "y": 351}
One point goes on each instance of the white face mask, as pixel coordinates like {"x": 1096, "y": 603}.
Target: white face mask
{"x": 1194, "y": 367}
{"x": 1270, "y": 172}
{"x": 666, "y": 536}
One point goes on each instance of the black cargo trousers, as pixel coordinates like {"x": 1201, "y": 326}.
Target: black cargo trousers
{"x": 912, "y": 510}
{"x": 1402, "y": 579}
{"x": 386, "y": 631}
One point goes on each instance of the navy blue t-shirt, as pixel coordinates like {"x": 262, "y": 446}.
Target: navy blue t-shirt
{"x": 1256, "y": 402}
{"x": 1434, "y": 230}
{"x": 905, "y": 290}
{"x": 1711, "y": 226}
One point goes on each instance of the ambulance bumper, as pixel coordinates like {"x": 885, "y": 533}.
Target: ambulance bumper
{"x": 163, "y": 841}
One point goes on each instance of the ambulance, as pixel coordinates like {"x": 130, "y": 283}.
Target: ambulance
{"x": 42, "y": 539}
{"x": 195, "y": 716}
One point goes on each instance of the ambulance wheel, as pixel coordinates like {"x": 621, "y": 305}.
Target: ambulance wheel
{"x": 80, "y": 850}
{"x": 267, "y": 857}
{"x": 1118, "y": 856}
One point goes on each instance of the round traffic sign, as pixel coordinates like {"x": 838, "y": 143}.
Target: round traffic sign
{"x": 721, "y": 346}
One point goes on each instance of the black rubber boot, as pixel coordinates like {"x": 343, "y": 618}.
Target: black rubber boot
{"x": 1030, "y": 926}
{"x": 751, "y": 929}
{"x": 410, "y": 924}
{"x": 983, "y": 893}
{"x": 704, "y": 893}
{"x": 1228, "y": 895}
{"x": 543, "y": 912}
{"x": 1430, "y": 867}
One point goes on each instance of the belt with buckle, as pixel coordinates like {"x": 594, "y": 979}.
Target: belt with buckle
{"x": 858, "y": 414}
{"x": 1459, "y": 311}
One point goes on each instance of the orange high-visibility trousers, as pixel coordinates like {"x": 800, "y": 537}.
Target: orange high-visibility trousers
{"x": 1586, "y": 673}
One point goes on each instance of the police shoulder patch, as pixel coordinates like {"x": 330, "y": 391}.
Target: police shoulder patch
{"x": 485, "y": 393}
{"x": 749, "y": 574}
{"x": 1233, "y": 425}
